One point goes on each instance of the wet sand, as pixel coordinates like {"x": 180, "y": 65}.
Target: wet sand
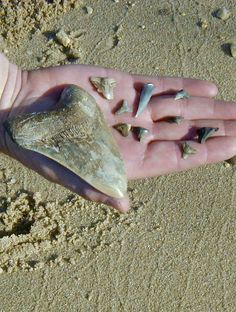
{"x": 175, "y": 249}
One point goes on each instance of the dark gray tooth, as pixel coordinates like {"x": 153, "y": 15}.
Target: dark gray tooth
{"x": 204, "y": 133}
{"x": 175, "y": 119}
{"x": 232, "y": 161}
{"x": 140, "y": 132}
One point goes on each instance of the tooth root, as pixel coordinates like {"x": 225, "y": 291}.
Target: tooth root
{"x": 145, "y": 97}
{"x": 104, "y": 85}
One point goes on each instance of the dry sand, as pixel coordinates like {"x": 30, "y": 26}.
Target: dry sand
{"x": 175, "y": 249}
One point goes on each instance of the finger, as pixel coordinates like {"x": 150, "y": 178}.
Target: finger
{"x": 195, "y": 87}
{"x": 122, "y": 205}
{"x": 126, "y": 84}
{"x": 53, "y": 77}
{"x": 165, "y": 157}
{"x": 80, "y": 75}
{"x": 192, "y": 108}
{"x": 56, "y": 173}
{"x": 188, "y": 129}
{"x": 60, "y": 175}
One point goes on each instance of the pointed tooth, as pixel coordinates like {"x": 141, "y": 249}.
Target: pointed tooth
{"x": 104, "y": 85}
{"x": 145, "y": 96}
{"x": 123, "y": 128}
{"x": 232, "y": 161}
{"x": 182, "y": 95}
{"x": 140, "y": 132}
{"x": 205, "y": 132}
{"x": 187, "y": 150}
{"x": 124, "y": 108}
{"x": 77, "y": 137}
{"x": 175, "y": 119}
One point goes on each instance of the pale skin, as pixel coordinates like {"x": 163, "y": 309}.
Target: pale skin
{"x": 160, "y": 153}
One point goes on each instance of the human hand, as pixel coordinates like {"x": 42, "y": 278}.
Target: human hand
{"x": 159, "y": 153}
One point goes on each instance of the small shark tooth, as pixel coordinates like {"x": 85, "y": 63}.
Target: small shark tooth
{"x": 232, "y": 161}
{"x": 204, "y": 133}
{"x": 77, "y": 137}
{"x": 124, "y": 108}
{"x": 104, "y": 85}
{"x": 140, "y": 132}
{"x": 187, "y": 150}
{"x": 123, "y": 128}
{"x": 175, "y": 119}
{"x": 145, "y": 97}
{"x": 182, "y": 95}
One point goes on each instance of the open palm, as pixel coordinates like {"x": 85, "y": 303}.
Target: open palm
{"x": 159, "y": 153}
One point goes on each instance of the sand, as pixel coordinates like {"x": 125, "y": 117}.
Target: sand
{"x": 175, "y": 249}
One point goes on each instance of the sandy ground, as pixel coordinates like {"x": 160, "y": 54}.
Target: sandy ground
{"x": 175, "y": 249}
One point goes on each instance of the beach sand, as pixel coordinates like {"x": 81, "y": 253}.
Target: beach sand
{"x": 175, "y": 249}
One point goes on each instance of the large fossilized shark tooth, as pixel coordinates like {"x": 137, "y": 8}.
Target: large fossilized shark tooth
{"x": 76, "y": 136}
